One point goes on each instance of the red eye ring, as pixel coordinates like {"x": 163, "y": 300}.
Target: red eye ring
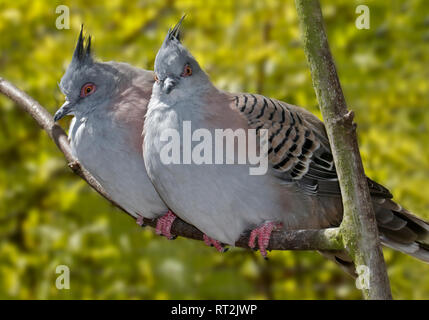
{"x": 187, "y": 70}
{"x": 87, "y": 89}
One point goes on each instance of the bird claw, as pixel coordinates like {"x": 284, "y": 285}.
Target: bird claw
{"x": 263, "y": 233}
{"x": 140, "y": 221}
{"x": 164, "y": 223}
{"x": 214, "y": 243}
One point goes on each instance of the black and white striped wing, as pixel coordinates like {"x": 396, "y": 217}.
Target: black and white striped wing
{"x": 298, "y": 146}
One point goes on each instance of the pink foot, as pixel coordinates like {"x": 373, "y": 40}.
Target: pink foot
{"x": 214, "y": 243}
{"x": 263, "y": 233}
{"x": 139, "y": 221}
{"x": 163, "y": 225}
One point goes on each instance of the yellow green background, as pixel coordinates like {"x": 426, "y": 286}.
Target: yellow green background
{"x": 49, "y": 217}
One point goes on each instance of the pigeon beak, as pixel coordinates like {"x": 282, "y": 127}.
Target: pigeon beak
{"x": 169, "y": 85}
{"x": 65, "y": 109}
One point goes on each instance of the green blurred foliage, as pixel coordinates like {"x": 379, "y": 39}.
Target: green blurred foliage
{"x": 49, "y": 217}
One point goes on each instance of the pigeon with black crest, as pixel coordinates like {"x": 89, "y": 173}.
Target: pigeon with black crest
{"x": 300, "y": 189}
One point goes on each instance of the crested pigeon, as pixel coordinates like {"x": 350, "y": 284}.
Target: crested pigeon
{"x": 300, "y": 190}
{"x": 109, "y": 102}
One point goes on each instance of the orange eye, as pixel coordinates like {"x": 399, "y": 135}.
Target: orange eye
{"x": 87, "y": 89}
{"x": 156, "y": 77}
{"x": 187, "y": 71}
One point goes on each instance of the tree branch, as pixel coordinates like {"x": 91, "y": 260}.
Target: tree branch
{"x": 325, "y": 239}
{"x": 358, "y": 228}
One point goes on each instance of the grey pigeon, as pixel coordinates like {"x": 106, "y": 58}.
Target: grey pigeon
{"x": 109, "y": 102}
{"x": 300, "y": 189}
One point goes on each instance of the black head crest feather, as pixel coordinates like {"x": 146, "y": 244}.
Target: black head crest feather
{"x": 82, "y": 51}
{"x": 175, "y": 32}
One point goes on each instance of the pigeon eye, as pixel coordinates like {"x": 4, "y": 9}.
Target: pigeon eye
{"x": 87, "y": 89}
{"x": 187, "y": 71}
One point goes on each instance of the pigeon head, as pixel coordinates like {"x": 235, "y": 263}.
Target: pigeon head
{"x": 175, "y": 67}
{"x": 87, "y": 84}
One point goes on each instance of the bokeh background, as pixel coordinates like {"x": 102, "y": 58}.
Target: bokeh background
{"x": 50, "y": 217}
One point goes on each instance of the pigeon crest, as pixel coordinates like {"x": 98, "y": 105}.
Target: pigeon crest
{"x": 82, "y": 53}
{"x": 175, "y": 33}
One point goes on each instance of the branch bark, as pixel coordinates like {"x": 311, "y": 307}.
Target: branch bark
{"x": 325, "y": 239}
{"x": 358, "y": 228}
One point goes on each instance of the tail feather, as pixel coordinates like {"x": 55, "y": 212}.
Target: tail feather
{"x": 398, "y": 228}
{"x": 401, "y": 230}
{"x": 342, "y": 259}
{"x": 415, "y": 249}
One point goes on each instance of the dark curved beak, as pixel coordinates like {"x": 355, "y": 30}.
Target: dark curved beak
{"x": 168, "y": 85}
{"x": 65, "y": 109}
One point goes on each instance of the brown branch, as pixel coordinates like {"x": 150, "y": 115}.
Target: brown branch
{"x": 358, "y": 228}
{"x": 325, "y": 239}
